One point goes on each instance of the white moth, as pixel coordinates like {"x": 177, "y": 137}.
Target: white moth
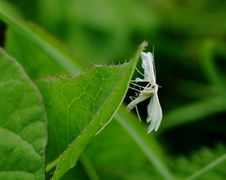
{"x": 150, "y": 90}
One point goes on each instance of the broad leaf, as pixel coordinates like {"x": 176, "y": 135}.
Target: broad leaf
{"x": 23, "y": 133}
{"x": 78, "y": 108}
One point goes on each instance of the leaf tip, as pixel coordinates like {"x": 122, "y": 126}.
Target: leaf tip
{"x": 144, "y": 44}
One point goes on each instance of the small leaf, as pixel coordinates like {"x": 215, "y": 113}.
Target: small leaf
{"x": 23, "y": 133}
{"x": 79, "y": 108}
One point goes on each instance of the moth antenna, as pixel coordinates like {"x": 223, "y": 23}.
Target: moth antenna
{"x": 153, "y": 62}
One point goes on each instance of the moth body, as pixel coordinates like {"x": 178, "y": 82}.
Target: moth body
{"x": 149, "y": 91}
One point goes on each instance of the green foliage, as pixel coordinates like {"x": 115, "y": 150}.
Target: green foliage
{"x": 189, "y": 58}
{"x": 210, "y": 163}
{"x": 23, "y": 132}
{"x": 78, "y": 108}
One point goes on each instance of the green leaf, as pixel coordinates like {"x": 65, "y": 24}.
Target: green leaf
{"x": 23, "y": 133}
{"x": 35, "y": 62}
{"x": 54, "y": 51}
{"x": 79, "y": 108}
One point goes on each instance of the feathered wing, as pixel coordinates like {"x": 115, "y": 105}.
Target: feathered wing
{"x": 148, "y": 66}
{"x": 154, "y": 107}
{"x": 154, "y": 113}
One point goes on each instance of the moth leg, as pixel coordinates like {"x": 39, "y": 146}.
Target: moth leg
{"x": 139, "y": 71}
{"x": 135, "y": 89}
{"x": 133, "y": 98}
{"x": 137, "y": 95}
{"x": 137, "y": 85}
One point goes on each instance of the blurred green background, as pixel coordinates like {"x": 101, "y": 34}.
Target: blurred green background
{"x": 189, "y": 39}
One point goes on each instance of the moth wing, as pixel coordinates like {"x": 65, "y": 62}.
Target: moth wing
{"x": 148, "y": 66}
{"x": 154, "y": 113}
